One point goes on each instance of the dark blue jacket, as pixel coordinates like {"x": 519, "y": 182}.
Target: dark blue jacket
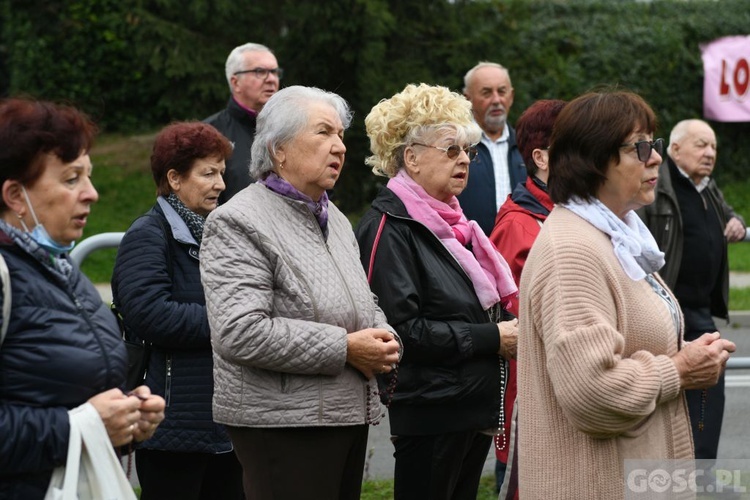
{"x": 156, "y": 286}
{"x": 62, "y": 348}
{"x": 478, "y": 199}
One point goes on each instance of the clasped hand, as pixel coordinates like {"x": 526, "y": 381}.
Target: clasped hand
{"x": 508, "y": 331}
{"x": 701, "y": 362}
{"x": 372, "y": 351}
{"x": 129, "y": 417}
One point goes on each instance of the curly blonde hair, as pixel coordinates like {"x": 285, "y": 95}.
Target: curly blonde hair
{"x": 416, "y": 112}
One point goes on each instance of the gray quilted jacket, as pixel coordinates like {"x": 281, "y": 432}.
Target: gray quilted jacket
{"x": 280, "y": 301}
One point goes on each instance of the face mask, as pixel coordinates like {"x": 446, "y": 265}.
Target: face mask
{"x": 40, "y": 235}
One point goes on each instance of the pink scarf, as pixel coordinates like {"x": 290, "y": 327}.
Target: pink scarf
{"x": 486, "y": 268}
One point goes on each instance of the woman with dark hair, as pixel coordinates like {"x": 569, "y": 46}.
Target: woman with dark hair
{"x": 157, "y": 288}
{"x": 602, "y": 366}
{"x": 62, "y": 354}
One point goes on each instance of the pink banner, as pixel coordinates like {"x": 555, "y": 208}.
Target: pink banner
{"x": 726, "y": 66}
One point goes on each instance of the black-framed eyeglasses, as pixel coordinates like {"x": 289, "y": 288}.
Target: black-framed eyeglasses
{"x": 262, "y": 73}
{"x": 454, "y": 150}
{"x": 643, "y": 148}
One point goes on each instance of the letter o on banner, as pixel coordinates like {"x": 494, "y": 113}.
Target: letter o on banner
{"x": 726, "y": 83}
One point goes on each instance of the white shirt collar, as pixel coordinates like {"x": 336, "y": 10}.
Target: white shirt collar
{"x": 503, "y": 138}
{"x": 698, "y": 187}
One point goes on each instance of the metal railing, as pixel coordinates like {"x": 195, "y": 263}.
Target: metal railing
{"x": 112, "y": 240}
{"x": 93, "y": 243}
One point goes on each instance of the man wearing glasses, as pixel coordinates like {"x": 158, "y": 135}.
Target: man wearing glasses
{"x": 498, "y": 167}
{"x": 692, "y": 224}
{"x": 253, "y": 75}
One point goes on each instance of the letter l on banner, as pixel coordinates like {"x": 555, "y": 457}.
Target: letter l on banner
{"x": 726, "y": 83}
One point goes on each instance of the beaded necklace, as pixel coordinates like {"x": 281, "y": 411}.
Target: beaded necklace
{"x": 388, "y": 393}
{"x": 501, "y": 415}
{"x": 496, "y": 315}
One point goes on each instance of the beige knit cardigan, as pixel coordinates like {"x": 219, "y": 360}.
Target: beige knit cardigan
{"x": 596, "y": 384}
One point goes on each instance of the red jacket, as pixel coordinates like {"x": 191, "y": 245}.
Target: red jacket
{"x": 517, "y": 225}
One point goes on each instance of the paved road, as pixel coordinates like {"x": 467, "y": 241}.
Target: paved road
{"x": 735, "y": 436}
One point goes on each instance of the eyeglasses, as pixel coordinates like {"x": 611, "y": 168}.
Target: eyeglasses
{"x": 643, "y": 148}
{"x": 262, "y": 73}
{"x": 454, "y": 150}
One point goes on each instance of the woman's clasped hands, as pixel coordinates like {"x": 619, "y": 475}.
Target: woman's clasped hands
{"x": 508, "y": 331}
{"x": 129, "y": 417}
{"x": 372, "y": 351}
{"x": 701, "y": 362}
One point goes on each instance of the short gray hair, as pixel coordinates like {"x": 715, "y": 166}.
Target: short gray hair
{"x": 235, "y": 59}
{"x": 680, "y": 130}
{"x": 484, "y": 64}
{"x": 283, "y": 117}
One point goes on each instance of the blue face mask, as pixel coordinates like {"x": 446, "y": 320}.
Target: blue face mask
{"x": 40, "y": 235}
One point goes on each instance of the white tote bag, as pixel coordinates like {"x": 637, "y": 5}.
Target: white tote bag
{"x": 92, "y": 471}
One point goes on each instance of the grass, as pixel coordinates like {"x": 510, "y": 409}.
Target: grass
{"x": 382, "y": 490}
{"x": 739, "y": 255}
{"x": 739, "y": 299}
{"x": 122, "y": 175}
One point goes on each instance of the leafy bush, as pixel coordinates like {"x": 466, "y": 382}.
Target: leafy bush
{"x": 139, "y": 64}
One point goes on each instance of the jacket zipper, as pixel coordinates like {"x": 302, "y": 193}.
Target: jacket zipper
{"x": 348, "y": 294}
{"x": 94, "y": 332}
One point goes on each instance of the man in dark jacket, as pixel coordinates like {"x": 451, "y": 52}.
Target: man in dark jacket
{"x": 253, "y": 75}
{"x": 498, "y": 166}
{"x": 692, "y": 224}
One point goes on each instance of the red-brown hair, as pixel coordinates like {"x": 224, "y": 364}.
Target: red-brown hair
{"x": 177, "y": 147}
{"x": 534, "y": 128}
{"x": 31, "y": 129}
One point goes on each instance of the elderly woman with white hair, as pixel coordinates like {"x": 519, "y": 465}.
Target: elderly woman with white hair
{"x": 296, "y": 332}
{"x": 444, "y": 288}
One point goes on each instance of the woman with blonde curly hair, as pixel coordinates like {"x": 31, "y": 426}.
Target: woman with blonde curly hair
{"x": 443, "y": 287}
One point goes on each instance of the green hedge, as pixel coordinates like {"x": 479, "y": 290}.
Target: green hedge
{"x": 138, "y": 64}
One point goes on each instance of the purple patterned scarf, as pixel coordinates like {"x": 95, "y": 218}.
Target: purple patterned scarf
{"x": 284, "y": 188}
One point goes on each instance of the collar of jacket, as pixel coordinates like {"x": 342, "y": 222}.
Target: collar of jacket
{"x": 388, "y": 203}
{"x": 239, "y": 113}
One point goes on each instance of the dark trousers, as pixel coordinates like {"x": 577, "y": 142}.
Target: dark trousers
{"x": 440, "y": 466}
{"x": 301, "y": 462}
{"x": 706, "y": 406}
{"x": 166, "y": 475}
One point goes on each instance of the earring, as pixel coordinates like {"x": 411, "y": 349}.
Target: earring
{"x": 19, "y": 216}
{"x": 281, "y": 165}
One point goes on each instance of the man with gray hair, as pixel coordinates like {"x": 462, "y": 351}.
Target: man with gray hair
{"x": 692, "y": 224}
{"x": 498, "y": 166}
{"x": 253, "y": 75}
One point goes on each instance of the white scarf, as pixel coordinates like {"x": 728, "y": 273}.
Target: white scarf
{"x": 634, "y": 246}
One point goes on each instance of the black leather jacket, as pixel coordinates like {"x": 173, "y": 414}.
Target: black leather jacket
{"x": 449, "y": 379}
{"x": 664, "y": 220}
{"x": 237, "y": 125}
